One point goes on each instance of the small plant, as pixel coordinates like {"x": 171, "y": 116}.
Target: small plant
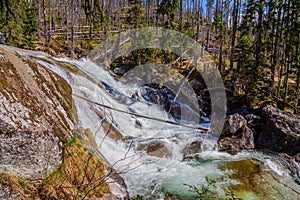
{"x": 71, "y": 115}
{"x": 205, "y": 192}
{"x": 208, "y": 191}
{"x": 138, "y": 197}
{"x": 3, "y": 179}
{"x": 71, "y": 142}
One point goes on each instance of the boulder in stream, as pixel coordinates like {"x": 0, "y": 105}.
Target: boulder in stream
{"x": 155, "y": 148}
{"x": 191, "y": 149}
{"x": 236, "y": 135}
{"x": 281, "y": 132}
{"x": 158, "y": 149}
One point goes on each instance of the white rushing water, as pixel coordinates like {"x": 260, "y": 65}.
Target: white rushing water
{"x": 141, "y": 171}
{"x": 145, "y": 175}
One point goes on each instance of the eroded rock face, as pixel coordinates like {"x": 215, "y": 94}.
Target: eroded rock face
{"x": 35, "y": 116}
{"x": 33, "y": 98}
{"x": 281, "y": 132}
{"x": 28, "y": 154}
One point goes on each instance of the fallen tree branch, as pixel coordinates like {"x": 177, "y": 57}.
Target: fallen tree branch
{"x": 142, "y": 116}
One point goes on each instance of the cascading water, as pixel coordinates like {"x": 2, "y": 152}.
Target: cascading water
{"x": 145, "y": 174}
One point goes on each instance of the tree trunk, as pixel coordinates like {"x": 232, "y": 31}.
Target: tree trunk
{"x": 276, "y": 43}
{"x": 72, "y": 51}
{"x": 45, "y": 24}
{"x": 234, "y": 29}
{"x": 38, "y": 17}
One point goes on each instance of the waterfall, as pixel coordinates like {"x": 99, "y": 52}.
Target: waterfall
{"x": 144, "y": 174}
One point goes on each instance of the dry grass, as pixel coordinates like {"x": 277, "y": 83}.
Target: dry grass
{"x": 17, "y": 186}
{"x": 80, "y": 176}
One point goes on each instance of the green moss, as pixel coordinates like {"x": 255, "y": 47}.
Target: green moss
{"x": 71, "y": 115}
{"x": 64, "y": 103}
{"x": 22, "y": 181}
{"x": 58, "y": 87}
{"x": 4, "y": 181}
{"x": 71, "y": 142}
{"x": 47, "y": 84}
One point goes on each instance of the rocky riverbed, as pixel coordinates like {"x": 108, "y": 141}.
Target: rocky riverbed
{"x": 43, "y": 158}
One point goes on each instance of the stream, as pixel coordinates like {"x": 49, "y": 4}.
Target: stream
{"x": 246, "y": 175}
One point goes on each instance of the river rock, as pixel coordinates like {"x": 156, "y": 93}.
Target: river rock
{"x": 192, "y": 149}
{"x": 255, "y": 122}
{"x": 236, "y": 135}
{"x": 242, "y": 140}
{"x": 164, "y": 97}
{"x": 155, "y": 148}
{"x": 281, "y": 132}
{"x": 232, "y": 124}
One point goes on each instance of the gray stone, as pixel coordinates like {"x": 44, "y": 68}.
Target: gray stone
{"x": 281, "y": 132}
{"x": 29, "y": 154}
{"x": 232, "y": 124}
{"x": 242, "y": 141}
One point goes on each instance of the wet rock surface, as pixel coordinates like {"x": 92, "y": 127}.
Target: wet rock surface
{"x": 158, "y": 149}
{"x": 255, "y": 181}
{"x": 163, "y": 97}
{"x": 238, "y": 179}
{"x": 155, "y": 148}
{"x": 191, "y": 149}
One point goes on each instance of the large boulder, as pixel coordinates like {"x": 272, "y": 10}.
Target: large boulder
{"x": 232, "y": 124}
{"x": 254, "y": 121}
{"x": 242, "y": 140}
{"x": 236, "y": 135}
{"x": 29, "y": 154}
{"x": 281, "y": 132}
